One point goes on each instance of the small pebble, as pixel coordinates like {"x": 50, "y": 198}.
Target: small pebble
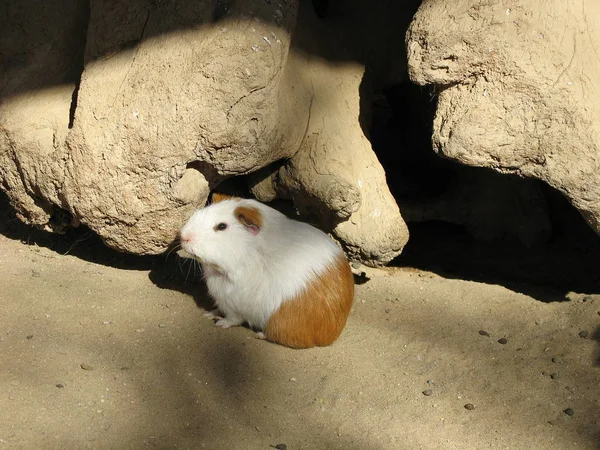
{"x": 60, "y": 385}
{"x": 557, "y": 360}
{"x": 587, "y": 298}
{"x": 87, "y": 366}
{"x": 569, "y": 411}
{"x": 469, "y": 406}
{"x": 583, "y": 334}
{"x": 106, "y": 322}
{"x": 162, "y": 325}
{"x": 502, "y": 341}
{"x": 29, "y": 337}
{"x": 427, "y": 392}
{"x": 483, "y": 333}
{"x": 280, "y": 446}
{"x": 430, "y": 382}
{"x": 293, "y": 379}
{"x": 555, "y": 375}
{"x": 35, "y": 274}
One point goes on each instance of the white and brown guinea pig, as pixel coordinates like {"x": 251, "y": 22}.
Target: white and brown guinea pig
{"x": 283, "y": 277}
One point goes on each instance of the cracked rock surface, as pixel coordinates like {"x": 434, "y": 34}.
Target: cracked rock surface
{"x": 518, "y": 89}
{"x": 130, "y": 128}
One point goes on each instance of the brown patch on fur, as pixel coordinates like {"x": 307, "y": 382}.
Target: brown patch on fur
{"x": 249, "y": 216}
{"x": 217, "y": 197}
{"x": 317, "y": 316}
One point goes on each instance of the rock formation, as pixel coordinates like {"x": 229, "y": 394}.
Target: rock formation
{"x": 518, "y": 85}
{"x": 175, "y": 97}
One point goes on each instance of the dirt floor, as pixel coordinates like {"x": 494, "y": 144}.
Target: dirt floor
{"x": 107, "y": 351}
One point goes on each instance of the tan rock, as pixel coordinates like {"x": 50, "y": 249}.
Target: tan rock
{"x": 42, "y": 46}
{"x": 517, "y": 89}
{"x": 175, "y": 97}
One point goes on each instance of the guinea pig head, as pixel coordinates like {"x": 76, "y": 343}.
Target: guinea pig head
{"x": 222, "y": 234}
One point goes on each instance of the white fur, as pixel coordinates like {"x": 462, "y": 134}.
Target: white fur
{"x": 250, "y": 275}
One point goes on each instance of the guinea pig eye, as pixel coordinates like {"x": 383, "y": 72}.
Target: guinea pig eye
{"x": 220, "y": 227}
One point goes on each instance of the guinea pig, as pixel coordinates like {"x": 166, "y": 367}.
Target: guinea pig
{"x": 283, "y": 277}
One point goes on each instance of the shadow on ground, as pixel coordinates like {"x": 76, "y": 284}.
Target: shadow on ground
{"x": 547, "y": 273}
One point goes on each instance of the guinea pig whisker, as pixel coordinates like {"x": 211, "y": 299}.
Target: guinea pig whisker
{"x": 175, "y": 247}
{"x": 188, "y": 272}
{"x": 180, "y": 263}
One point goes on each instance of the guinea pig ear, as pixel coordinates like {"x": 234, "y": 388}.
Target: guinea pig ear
{"x": 250, "y": 217}
{"x": 217, "y": 197}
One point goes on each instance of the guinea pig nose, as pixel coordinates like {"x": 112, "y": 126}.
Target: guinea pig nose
{"x": 185, "y": 238}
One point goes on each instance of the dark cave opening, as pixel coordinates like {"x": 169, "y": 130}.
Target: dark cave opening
{"x": 473, "y": 223}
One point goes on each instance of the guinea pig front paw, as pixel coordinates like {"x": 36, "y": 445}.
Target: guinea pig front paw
{"x": 228, "y": 323}
{"x": 214, "y": 314}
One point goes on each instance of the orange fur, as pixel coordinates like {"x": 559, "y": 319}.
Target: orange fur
{"x": 249, "y": 216}
{"x": 217, "y": 197}
{"x": 317, "y": 316}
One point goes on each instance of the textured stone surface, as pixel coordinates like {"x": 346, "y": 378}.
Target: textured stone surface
{"x": 41, "y": 55}
{"x": 517, "y": 89}
{"x": 174, "y": 97}
{"x": 170, "y": 103}
{"x": 164, "y": 100}
{"x": 336, "y": 177}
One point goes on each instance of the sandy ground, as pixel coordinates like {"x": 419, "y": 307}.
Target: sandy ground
{"x": 106, "y": 351}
